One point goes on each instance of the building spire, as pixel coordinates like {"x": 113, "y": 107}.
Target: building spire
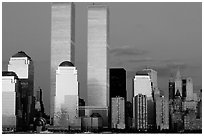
{"x": 178, "y": 74}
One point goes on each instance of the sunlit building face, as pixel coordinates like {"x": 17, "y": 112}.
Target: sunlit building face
{"x": 9, "y": 99}
{"x": 62, "y": 40}
{"x": 67, "y": 96}
{"x": 97, "y": 70}
{"x": 142, "y": 85}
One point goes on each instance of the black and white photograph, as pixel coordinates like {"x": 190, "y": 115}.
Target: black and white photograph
{"x": 101, "y": 67}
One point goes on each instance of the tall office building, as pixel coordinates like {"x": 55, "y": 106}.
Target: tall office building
{"x": 117, "y": 82}
{"x": 164, "y": 113}
{"x": 22, "y": 65}
{"x": 140, "y": 112}
{"x": 118, "y": 112}
{"x": 67, "y": 95}
{"x": 97, "y": 67}
{"x": 155, "y": 106}
{"x": 62, "y": 41}
{"x": 189, "y": 88}
{"x": 153, "y": 77}
{"x": 178, "y": 83}
{"x": 142, "y": 85}
{"x": 11, "y": 102}
{"x": 171, "y": 88}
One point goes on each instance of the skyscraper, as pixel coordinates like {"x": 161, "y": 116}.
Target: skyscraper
{"x": 22, "y": 65}
{"x": 171, "y": 89}
{"x": 117, "y": 82}
{"x": 164, "y": 113}
{"x": 98, "y": 40}
{"x": 118, "y": 112}
{"x": 67, "y": 95}
{"x": 140, "y": 112}
{"x": 156, "y": 107}
{"x": 11, "y": 101}
{"x": 189, "y": 88}
{"x": 142, "y": 85}
{"x": 62, "y": 41}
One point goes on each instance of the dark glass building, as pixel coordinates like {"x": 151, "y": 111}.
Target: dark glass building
{"x": 117, "y": 82}
{"x": 171, "y": 89}
{"x": 184, "y": 88}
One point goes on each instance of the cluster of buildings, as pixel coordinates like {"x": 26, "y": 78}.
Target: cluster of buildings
{"x": 184, "y": 105}
{"x": 107, "y": 105}
{"x": 18, "y": 97}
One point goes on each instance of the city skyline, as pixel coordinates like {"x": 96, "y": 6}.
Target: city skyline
{"x": 129, "y": 52}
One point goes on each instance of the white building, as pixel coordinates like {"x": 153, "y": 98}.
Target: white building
{"x": 118, "y": 112}
{"x": 142, "y": 84}
{"x": 10, "y": 100}
{"x": 67, "y": 95}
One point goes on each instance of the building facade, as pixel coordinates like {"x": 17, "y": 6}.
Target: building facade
{"x": 118, "y": 82}
{"x": 62, "y": 41}
{"x": 142, "y": 84}
{"x": 11, "y": 102}
{"x": 97, "y": 67}
{"x": 140, "y": 112}
{"x": 164, "y": 113}
{"x": 22, "y": 65}
{"x": 118, "y": 112}
{"x": 67, "y": 96}
{"x": 171, "y": 88}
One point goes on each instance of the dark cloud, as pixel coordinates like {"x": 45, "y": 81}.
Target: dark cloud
{"x": 127, "y": 51}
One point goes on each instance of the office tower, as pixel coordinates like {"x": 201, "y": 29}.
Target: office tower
{"x": 184, "y": 88}
{"x": 142, "y": 84}
{"x": 128, "y": 114}
{"x": 117, "y": 82}
{"x": 11, "y": 102}
{"x": 155, "y": 107}
{"x": 140, "y": 112}
{"x": 22, "y": 65}
{"x": 164, "y": 113}
{"x": 62, "y": 41}
{"x": 178, "y": 83}
{"x": 176, "y": 114}
{"x": 153, "y": 78}
{"x": 97, "y": 67}
{"x": 171, "y": 88}
{"x": 118, "y": 112}
{"x": 189, "y": 88}
{"x": 67, "y": 95}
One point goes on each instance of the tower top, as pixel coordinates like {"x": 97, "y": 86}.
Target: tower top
{"x": 21, "y": 54}
{"x": 66, "y": 64}
{"x": 178, "y": 74}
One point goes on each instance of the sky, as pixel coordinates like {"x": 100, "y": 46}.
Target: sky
{"x": 161, "y": 36}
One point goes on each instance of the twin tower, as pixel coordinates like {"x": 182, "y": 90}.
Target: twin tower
{"x": 63, "y": 49}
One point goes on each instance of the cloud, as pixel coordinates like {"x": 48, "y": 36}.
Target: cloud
{"x": 127, "y": 51}
{"x": 141, "y": 59}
